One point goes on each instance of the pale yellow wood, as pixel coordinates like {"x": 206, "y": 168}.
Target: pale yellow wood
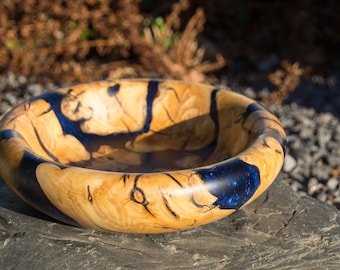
{"x": 123, "y": 112}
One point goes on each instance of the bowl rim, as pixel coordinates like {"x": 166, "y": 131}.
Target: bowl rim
{"x": 207, "y": 86}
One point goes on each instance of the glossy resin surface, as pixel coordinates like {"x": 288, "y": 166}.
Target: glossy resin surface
{"x": 140, "y": 156}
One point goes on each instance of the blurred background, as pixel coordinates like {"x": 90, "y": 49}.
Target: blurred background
{"x": 82, "y": 40}
{"x": 284, "y": 54}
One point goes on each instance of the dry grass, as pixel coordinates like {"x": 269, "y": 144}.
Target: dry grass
{"x": 80, "y": 40}
{"x": 285, "y": 79}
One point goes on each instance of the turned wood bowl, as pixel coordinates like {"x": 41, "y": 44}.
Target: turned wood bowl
{"x": 140, "y": 156}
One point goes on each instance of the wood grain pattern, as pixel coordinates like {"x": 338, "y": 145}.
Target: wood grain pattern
{"x": 140, "y": 156}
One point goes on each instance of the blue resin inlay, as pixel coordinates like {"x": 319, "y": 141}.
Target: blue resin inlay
{"x": 112, "y": 90}
{"x": 28, "y": 187}
{"x": 74, "y": 127}
{"x": 277, "y": 136}
{"x": 214, "y": 113}
{"x": 233, "y": 183}
{"x": 68, "y": 126}
{"x": 152, "y": 93}
{"x": 253, "y": 107}
{"x": 8, "y": 134}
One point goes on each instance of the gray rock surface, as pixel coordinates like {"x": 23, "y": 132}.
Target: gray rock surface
{"x": 280, "y": 230}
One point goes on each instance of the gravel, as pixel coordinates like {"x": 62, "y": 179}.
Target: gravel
{"x": 310, "y": 117}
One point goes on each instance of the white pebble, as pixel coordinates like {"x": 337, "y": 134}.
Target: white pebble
{"x": 333, "y": 184}
{"x": 290, "y": 163}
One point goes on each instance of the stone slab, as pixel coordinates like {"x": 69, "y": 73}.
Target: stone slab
{"x": 280, "y": 230}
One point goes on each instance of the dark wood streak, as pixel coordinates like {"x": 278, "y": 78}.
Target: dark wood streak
{"x": 53, "y": 157}
{"x": 126, "y": 125}
{"x": 122, "y": 107}
{"x": 210, "y": 207}
{"x": 166, "y": 203}
{"x": 174, "y": 179}
{"x": 136, "y": 189}
{"x": 175, "y": 92}
{"x": 185, "y": 143}
{"x": 89, "y": 196}
{"x": 192, "y": 199}
{"x": 70, "y": 93}
{"x": 125, "y": 177}
{"x": 274, "y": 133}
{"x": 46, "y": 112}
{"x": 27, "y": 105}
{"x": 76, "y": 110}
{"x": 168, "y": 114}
{"x": 169, "y": 228}
{"x": 264, "y": 143}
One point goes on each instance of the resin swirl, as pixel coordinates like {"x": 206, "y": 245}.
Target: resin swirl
{"x": 140, "y": 156}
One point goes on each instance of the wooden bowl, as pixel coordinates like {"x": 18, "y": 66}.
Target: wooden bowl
{"x": 140, "y": 156}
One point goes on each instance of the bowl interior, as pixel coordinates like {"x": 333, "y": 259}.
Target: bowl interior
{"x": 135, "y": 126}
